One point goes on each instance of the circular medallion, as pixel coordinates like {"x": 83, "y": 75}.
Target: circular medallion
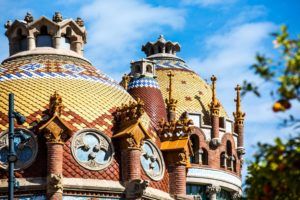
{"x": 152, "y": 161}
{"x": 26, "y": 148}
{"x": 92, "y": 149}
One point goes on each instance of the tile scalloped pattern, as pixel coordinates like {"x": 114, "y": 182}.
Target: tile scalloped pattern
{"x": 192, "y": 92}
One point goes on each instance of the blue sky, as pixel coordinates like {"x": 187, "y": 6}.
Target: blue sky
{"x": 218, "y": 37}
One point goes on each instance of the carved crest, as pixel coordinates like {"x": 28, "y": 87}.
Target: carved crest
{"x": 55, "y": 105}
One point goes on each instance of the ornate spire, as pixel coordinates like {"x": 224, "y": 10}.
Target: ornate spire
{"x": 238, "y": 114}
{"x": 171, "y": 103}
{"x": 125, "y": 81}
{"x": 55, "y": 106}
{"x": 215, "y": 104}
{"x": 28, "y": 17}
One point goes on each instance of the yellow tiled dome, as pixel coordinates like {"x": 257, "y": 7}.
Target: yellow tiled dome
{"x": 190, "y": 90}
{"x": 88, "y": 95}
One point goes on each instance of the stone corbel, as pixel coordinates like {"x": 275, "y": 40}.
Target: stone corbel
{"x": 236, "y": 196}
{"x": 54, "y": 183}
{"x": 215, "y": 142}
{"x": 136, "y": 188}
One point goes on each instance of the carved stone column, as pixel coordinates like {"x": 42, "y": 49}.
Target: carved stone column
{"x": 215, "y": 115}
{"x": 212, "y": 191}
{"x": 133, "y": 156}
{"x": 31, "y": 42}
{"x": 56, "y": 132}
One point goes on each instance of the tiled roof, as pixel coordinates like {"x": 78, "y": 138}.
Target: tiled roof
{"x": 192, "y": 92}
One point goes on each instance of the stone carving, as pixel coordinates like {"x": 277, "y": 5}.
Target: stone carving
{"x": 236, "y": 196}
{"x": 171, "y": 103}
{"x": 55, "y": 106}
{"x": 26, "y": 147}
{"x": 212, "y": 190}
{"x": 7, "y": 24}
{"x": 181, "y": 159}
{"x": 215, "y": 142}
{"x": 80, "y": 22}
{"x": 176, "y": 129}
{"x": 55, "y": 183}
{"x": 128, "y": 114}
{"x": 152, "y": 161}
{"x": 136, "y": 188}
{"x": 28, "y": 18}
{"x": 92, "y": 149}
{"x": 125, "y": 81}
{"x": 57, "y": 17}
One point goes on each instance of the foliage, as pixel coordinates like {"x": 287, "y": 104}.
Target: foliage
{"x": 275, "y": 172}
{"x": 283, "y": 72}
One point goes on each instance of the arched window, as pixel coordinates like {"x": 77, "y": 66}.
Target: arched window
{"x": 151, "y": 51}
{"x": 44, "y": 39}
{"x": 20, "y": 41}
{"x": 65, "y": 42}
{"x": 159, "y": 49}
{"x": 195, "y": 145}
{"x": 229, "y": 154}
{"x": 204, "y": 157}
{"x": 223, "y": 160}
{"x": 149, "y": 69}
{"x": 137, "y": 69}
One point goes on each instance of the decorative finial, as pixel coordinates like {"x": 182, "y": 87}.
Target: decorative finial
{"x": 7, "y": 24}
{"x": 80, "y": 22}
{"x": 171, "y": 103}
{"x": 125, "y": 81}
{"x": 55, "y": 106}
{"x": 215, "y": 104}
{"x": 28, "y": 17}
{"x": 161, "y": 38}
{"x": 238, "y": 114}
{"x": 57, "y": 17}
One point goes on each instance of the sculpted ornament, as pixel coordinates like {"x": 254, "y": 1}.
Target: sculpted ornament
{"x": 212, "y": 190}
{"x": 152, "y": 161}
{"x": 92, "y": 149}
{"x": 55, "y": 183}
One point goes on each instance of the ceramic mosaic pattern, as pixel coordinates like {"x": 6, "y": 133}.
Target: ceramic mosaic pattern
{"x": 192, "y": 93}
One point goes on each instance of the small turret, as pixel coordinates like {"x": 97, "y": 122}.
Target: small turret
{"x": 143, "y": 68}
{"x": 161, "y": 48}
{"x": 58, "y": 33}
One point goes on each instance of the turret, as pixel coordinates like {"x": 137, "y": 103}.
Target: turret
{"x": 141, "y": 83}
{"x": 29, "y": 34}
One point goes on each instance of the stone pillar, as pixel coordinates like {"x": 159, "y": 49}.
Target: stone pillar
{"x": 212, "y": 191}
{"x": 200, "y": 157}
{"x": 78, "y": 47}
{"x": 215, "y": 121}
{"x": 54, "y": 170}
{"x": 31, "y": 42}
{"x": 177, "y": 180}
{"x": 56, "y": 41}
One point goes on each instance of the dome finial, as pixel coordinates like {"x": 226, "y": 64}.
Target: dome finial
{"x": 161, "y": 38}
{"x": 28, "y": 17}
{"x": 57, "y": 17}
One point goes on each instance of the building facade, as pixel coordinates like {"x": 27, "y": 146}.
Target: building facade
{"x": 161, "y": 133}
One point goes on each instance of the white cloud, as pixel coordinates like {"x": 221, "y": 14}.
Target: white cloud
{"x": 117, "y": 29}
{"x": 208, "y": 2}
